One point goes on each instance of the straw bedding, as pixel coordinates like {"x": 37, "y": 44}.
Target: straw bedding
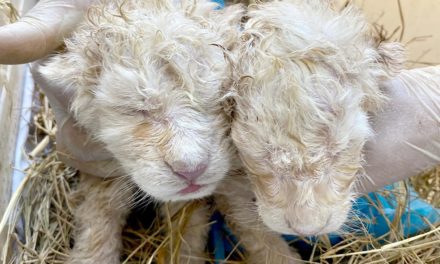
{"x": 40, "y": 216}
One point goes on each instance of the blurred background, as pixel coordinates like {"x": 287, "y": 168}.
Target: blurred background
{"x": 416, "y": 23}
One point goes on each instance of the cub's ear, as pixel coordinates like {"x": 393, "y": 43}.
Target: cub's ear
{"x": 62, "y": 71}
{"x": 70, "y": 72}
{"x": 392, "y": 57}
{"x": 69, "y": 82}
{"x": 389, "y": 63}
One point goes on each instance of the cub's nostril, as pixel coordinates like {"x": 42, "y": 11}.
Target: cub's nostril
{"x": 190, "y": 174}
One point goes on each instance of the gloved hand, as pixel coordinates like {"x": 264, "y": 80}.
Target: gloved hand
{"x": 74, "y": 146}
{"x": 35, "y": 35}
{"x": 407, "y": 137}
{"x": 41, "y": 30}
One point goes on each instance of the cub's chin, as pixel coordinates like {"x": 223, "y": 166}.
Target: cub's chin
{"x": 200, "y": 191}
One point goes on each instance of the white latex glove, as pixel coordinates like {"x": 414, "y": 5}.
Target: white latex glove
{"x": 74, "y": 146}
{"x": 41, "y": 30}
{"x": 407, "y": 139}
{"x": 35, "y": 35}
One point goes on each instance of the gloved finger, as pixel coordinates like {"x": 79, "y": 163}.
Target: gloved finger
{"x": 101, "y": 168}
{"x": 75, "y": 141}
{"x": 407, "y": 140}
{"x": 75, "y": 148}
{"x": 41, "y": 30}
{"x": 59, "y": 97}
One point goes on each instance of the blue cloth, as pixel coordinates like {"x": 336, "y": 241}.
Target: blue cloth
{"x": 220, "y": 2}
{"x": 221, "y": 240}
{"x": 414, "y": 219}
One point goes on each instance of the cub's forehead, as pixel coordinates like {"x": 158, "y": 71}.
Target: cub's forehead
{"x": 158, "y": 85}
{"x": 313, "y": 94}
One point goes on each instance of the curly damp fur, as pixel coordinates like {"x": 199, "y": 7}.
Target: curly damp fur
{"x": 149, "y": 84}
{"x": 308, "y": 77}
{"x": 148, "y": 78}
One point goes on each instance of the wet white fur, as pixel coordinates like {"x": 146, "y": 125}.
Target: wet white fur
{"x": 308, "y": 78}
{"x": 148, "y": 79}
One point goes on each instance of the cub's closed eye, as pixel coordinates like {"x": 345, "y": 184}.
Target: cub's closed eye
{"x": 129, "y": 111}
{"x": 137, "y": 112}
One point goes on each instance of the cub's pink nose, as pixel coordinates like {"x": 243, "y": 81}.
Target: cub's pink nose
{"x": 189, "y": 174}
